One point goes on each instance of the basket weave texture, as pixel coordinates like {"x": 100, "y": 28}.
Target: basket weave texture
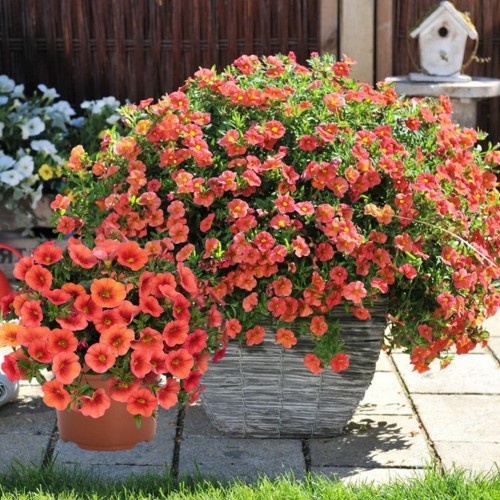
{"x": 266, "y": 391}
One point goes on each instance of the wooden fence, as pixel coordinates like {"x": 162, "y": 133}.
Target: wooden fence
{"x": 143, "y": 48}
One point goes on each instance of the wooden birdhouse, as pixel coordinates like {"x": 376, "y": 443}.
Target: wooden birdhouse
{"x": 442, "y": 38}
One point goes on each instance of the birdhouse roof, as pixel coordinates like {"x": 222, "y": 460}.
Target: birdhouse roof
{"x": 446, "y": 8}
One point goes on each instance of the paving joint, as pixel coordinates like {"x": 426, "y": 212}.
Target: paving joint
{"x": 306, "y": 451}
{"x": 430, "y": 443}
{"x": 179, "y": 434}
{"x": 48, "y": 456}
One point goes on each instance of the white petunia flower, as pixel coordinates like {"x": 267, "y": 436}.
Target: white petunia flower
{"x": 44, "y": 146}
{"x": 113, "y": 119}
{"x": 78, "y": 122}
{"x": 25, "y": 166}
{"x": 6, "y": 84}
{"x": 32, "y": 127}
{"x": 18, "y": 91}
{"x": 50, "y": 94}
{"x": 11, "y": 177}
{"x": 3, "y": 100}
{"x": 64, "y": 108}
{"x": 6, "y": 161}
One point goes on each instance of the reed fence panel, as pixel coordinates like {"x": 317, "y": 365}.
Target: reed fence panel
{"x": 134, "y": 49}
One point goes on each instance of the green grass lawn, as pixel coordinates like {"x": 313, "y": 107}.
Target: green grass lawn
{"x": 21, "y": 482}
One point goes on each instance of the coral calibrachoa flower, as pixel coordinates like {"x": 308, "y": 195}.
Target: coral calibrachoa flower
{"x": 114, "y": 308}
{"x": 295, "y": 191}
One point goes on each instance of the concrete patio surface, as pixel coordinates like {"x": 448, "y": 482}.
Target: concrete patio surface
{"x": 405, "y": 423}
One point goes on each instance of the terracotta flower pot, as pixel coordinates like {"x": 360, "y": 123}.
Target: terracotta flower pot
{"x": 115, "y": 430}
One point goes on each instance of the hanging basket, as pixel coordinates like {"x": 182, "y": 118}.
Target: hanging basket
{"x": 266, "y": 391}
{"x": 115, "y": 430}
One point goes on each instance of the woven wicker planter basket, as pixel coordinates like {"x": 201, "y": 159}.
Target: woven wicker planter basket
{"x": 266, "y": 391}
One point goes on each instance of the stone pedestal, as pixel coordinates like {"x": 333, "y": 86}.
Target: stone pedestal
{"x": 464, "y": 95}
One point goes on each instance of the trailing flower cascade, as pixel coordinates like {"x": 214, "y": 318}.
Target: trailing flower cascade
{"x": 293, "y": 192}
{"x": 115, "y": 308}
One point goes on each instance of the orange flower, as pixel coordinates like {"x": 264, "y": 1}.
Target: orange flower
{"x": 47, "y": 253}
{"x": 96, "y": 405}
{"x": 187, "y": 278}
{"x": 313, "y": 363}
{"x": 55, "y": 395}
{"x": 118, "y": 338}
{"x": 107, "y": 292}
{"x": 27, "y": 335}
{"x": 107, "y": 318}
{"x": 11, "y": 368}
{"x": 99, "y": 357}
{"x": 142, "y": 402}
{"x": 38, "y": 278}
{"x": 31, "y": 313}
{"x": 8, "y": 334}
{"x": 66, "y": 367}
{"x": 139, "y": 363}
{"x": 175, "y": 332}
{"x": 232, "y": 327}
{"x": 73, "y": 289}
{"x": 179, "y": 363}
{"x": 84, "y": 304}
{"x": 318, "y": 326}
{"x": 158, "y": 362}
{"x": 150, "y": 305}
{"x": 180, "y": 308}
{"x": 131, "y": 255}
{"x": 250, "y": 301}
{"x": 255, "y": 335}
{"x": 61, "y": 340}
{"x": 168, "y": 395}
{"x": 57, "y": 297}
{"x": 38, "y": 350}
{"x": 196, "y": 341}
{"x": 119, "y": 390}
{"x": 339, "y": 362}
{"x": 285, "y": 337}
{"x": 149, "y": 340}
{"x": 82, "y": 256}
{"x": 21, "y": 267}
{"x": 282, "y": 286}
{"x": 354, "y": 291}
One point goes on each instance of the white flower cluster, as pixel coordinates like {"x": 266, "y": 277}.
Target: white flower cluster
{"x": 105, "y": 105}
{"x": 37, "y": 134}
{"x": 32, "y": 132}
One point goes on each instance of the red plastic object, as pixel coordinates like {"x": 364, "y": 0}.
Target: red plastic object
{"x": 5, "y": 288}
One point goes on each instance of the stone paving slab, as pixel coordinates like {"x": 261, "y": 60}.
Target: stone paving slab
{"x": 460, "y": 418}
{"x": 492, "y": 325}
{"x": 26, "y": 425}
{"x": 245, "y": 459}
{"x": 384, "y": 397}
{"x": 384, "y": 363}
{"x": 206, "y": 450}
{"x": 474, "y": 457}
{"x": 374, "y": 442}
{"x": 476, "y": 373}
{"x": 197, "y": 423}
{"x": 494, "y": 346}
{"x": 359, "y": 475}
{"x": 24, "y": 448}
